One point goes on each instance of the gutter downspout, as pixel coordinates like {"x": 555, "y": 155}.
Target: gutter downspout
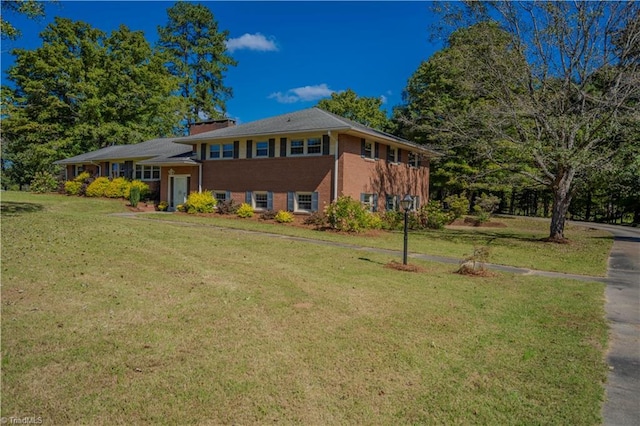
{"x": 99, "y": 168}
{"x": 199, "y": 178}
{"x": 335, "y": 170}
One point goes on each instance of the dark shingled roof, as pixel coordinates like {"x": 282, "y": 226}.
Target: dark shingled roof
{"x": 307, "y": 120}
{"x": 163, "y": 147}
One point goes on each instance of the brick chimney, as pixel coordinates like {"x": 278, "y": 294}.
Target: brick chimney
{"x": 209, "y": 125}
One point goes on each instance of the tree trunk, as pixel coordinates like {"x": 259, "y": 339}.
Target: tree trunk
{"x": 561, "y": 201}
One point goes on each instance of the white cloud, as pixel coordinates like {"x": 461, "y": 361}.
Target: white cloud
{"x": 252, "y": 42}
{"x": 383, "y": 98}
{"x": 304, "y": 94}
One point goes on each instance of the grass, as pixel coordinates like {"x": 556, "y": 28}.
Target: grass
{"x": 519, "y": 244}
{"x": 107, "y": 320}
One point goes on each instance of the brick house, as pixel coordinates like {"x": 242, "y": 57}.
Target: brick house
{"x": 299, "y": 161}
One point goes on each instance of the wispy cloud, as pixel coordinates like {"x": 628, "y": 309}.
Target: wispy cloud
{"x": 304, "y": 94}
{"x": 255, "y": 41}
{"x": 384, "y": 99}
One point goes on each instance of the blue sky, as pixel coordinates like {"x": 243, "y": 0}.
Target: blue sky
{"x": 290, "y": 54}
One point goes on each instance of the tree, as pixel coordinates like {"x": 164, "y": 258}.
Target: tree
{"x": 195, "y": 52}
{"x": 81, "y": 91}
{"x": 364, "y": 110}
{"x": 556, "y": 118}
{"x": 30, "y": 8}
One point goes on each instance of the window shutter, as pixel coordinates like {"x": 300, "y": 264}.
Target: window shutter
{"x": 377, "y": 153}
{"x": 283, "y": 147}
{"x": 362, "y": 142}
{"x": 314, "y": 201}
{"x": 290, "y": 197}
{"x": 375, "y": 202}
{"x": 416, "y": 202}
{"x": 128, "y": 169}
{"x": 107, "y": 169}
{"x": 203, "y": 151}
{"x": 272, "y": 147}
{"x": 249, "y": 148}
{"x": 269, "y": 200}
{"x": 399, "y": 159}
{"x": 236, "y": 149}
{"x": 388, "y": 152}
{"x": 419, "y": 160}
{"x": 227, "y": 196}
{"x": 325, "y": 144}
{"x": 248, "y": 197}
{"x": 362, "y": 195}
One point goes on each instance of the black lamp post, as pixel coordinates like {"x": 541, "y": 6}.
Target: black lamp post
{"x": 405, "y": 204}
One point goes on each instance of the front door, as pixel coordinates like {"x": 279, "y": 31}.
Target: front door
{"x": 179, "y": 191}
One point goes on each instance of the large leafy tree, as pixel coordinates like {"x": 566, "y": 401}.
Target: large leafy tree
{"x": 559, "y": 116}
{"x": 195, "y": 51}
{"x": 30, "y": 8}
{"x": 362, "y": 109}
{"x": 80, "y": 91}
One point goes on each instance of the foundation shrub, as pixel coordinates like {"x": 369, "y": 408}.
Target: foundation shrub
{"x": 349, "y": 215}
{"x": 268, "y": 215}
{"x": 432, "y": 216}
{"x": 227, "y": 207}
{"x": 200, "y": 202}
{"x": 163, "y": 206}
{"x": 98, "y": 187}
{"x": 392, "y": 219}
{"x": 142, "y": 187}
{"x": 284, "y": 217}
{"x": 82, "y": 177}
{"x": 317, "y": 219}
{"x": 72, "y": 187}
{"x": 245, "y": 211}
{"x": 118, "y": 188}
{"x": 134, "y": 196}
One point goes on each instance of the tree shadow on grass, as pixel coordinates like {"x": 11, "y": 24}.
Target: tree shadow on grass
{"x": 9, "y": 208}
{"x": 482, "y": 237}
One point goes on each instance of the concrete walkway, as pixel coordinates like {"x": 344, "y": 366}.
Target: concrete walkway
{"x": 622, "y": 306}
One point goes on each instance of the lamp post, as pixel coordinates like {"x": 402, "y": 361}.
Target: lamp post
{"x": 405, "y": 204}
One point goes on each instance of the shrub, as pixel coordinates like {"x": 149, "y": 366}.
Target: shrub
{"x": 163, "y": 206}
{"x": 392, "y": 219}
{"x": 458, "y": 205}
{"x": 200, "y": 202}
{"x": 268, "y": 215}
{"x": 475, "y": 264}
{"x": 118, "y": 188}
{"x": 181, "y": 208}
{"x": 317, "y": 219}
{"x": 142, "y": 186}
{"x": 43, "y": 182}
{"x": 227, "y": 207}
{"x": 245, "y": 210}
{"x": 347, "y": 214}
{"x": 485, "y": 205}
{"x": 134, "y": 196}
{"x": 72, "y": 187}
{"x": 82, "y": 177}
{"x": 284, "y": 217}
{"x": 98, "y": 187}
{"x": 432, "y": 216}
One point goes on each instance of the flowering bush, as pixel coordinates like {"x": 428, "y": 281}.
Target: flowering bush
{"x": 118, "y": 188}
{"x": 163, "y": 206}
{"x": 284, "y": 217}
{"x": 72, "y": 187}
{"x": 245, "y": 210}
{"x": 200, "y": 202}
{"x": 98, "y": 187}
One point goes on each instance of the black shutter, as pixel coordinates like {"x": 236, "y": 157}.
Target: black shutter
{"x": 362, "y": 143}
{"x": 325, "y": 144}
{"x": 377, "y": 152}
{"x": 388, "y": 152}
{"x": 283, "y": 147}
{"x": 272, "y": 147}
{"x": 236, "y": 149}
{"x": 203, "y": 151}
{"x": 399, "y": 160}
{"x": 249, "y": 148}
{"x": 128, "y": 169}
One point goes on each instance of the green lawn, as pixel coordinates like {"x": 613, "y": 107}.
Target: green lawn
{"x": 109, "y": 320}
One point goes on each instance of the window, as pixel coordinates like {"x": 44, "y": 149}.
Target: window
{"x": 414, "y": 159}
{"x": 370, "y": 201}
{"x": 262, "y": 149}
{"x": 260, "y": 201}
{"x": 147, "y": 172}
{"x": 311, "y": 146}
{"x": 392, "y": 154}
{"x": 220, "y": 196}
{"x": 218, "y": 151}
{"x": 314, "y": 146}
{"x": 117, "y": 170}
{"x": 368, "y": 150}
{"x": 391, "y": 203}
{"x": 214, "y": 151}
{"x": 78, "y": 169}
{"x": 304, "y": 202}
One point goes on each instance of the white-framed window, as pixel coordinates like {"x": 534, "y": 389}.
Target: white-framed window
{"x": 392, "y": 154}
{"x": 143, "y": 172}
{"x": 117, "y": 170}
{"x": 368, "y": 149}
{"x": 220, "y": 196}
{"x": 304, "y": 201}
{"x": 370, "y": 201}
{"x": 218, "y": 151}
{"x": 309, "y": 146}
{"x": 414, "y": 159}
{"x": 262, "y": 149}
{"x": 391, "y": 203}
{"x": 260, "y": 201}
{"x": 79, "y": 168}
